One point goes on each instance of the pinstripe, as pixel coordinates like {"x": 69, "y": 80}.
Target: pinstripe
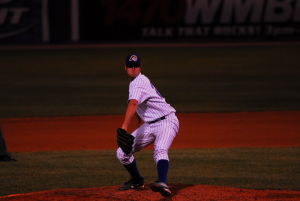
{"x": 151, "y": 106}
{"x": 161, "y": 134}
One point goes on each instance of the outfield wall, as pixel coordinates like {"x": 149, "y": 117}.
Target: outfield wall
{"x": 56, "y": 21}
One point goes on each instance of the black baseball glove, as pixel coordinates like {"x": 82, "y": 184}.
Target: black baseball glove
{"x": 125, "y": 140}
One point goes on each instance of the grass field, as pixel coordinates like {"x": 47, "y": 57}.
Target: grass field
{"x": 67, "y": 82}
{"x": 261, "y": 168}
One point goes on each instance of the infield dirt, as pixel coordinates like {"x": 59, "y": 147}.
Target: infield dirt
{"x": 206, "y": 130}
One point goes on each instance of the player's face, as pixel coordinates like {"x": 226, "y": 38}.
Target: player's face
{"x": 133, "y": 72}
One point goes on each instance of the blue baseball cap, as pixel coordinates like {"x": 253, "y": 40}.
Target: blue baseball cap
{"x": 133, "y": 60}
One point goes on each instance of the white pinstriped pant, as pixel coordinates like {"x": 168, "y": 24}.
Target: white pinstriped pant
{"x": 161, "y": 133}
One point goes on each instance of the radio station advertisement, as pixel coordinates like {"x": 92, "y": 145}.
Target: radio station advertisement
{"x": 189, "y": 19}
{"x": 43, "y": 21}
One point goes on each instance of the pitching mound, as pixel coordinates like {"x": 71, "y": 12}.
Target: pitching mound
{"x": 180, "y": 193}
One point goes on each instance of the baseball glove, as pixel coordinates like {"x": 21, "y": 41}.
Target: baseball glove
{"x": 125, "y": 140}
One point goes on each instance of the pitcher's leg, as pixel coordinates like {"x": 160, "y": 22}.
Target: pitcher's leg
{"x": 165, "y": 133}
{"x": 142, "y": 139}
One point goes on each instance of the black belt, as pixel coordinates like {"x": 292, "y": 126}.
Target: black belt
{"x": 156, "y": 120}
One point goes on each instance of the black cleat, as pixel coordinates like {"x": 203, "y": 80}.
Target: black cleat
{"x": 133, "y": 184}
{"x": 162, "y": 188}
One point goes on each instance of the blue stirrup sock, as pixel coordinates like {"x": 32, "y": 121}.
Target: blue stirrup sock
{"x": 133, "y": 170}
{"x": 162, "y": 170}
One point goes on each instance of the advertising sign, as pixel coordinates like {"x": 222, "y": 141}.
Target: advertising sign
{"x": 23, "y": 21}
{"x": 189, "y": 19}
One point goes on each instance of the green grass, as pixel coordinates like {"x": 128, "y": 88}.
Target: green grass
{"x": 255, "y": 168}
{"x": 193, "y": 79}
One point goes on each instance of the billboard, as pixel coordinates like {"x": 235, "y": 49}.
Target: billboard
{"x": 189, "y": 19}
{"x": 23, "y": 21}
{"x": 56, "y": 21}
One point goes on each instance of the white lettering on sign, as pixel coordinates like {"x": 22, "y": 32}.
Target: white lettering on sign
{"x": 12, "y": 18}
{"x": 241, "y": 11}
{"x": 193, "y": 31}
{"x": 203, "y": 7}
{"x": 237, "y": 30}
{"x": 238, "y": 11}
{"x": 12, "y": 15}
{"x": 157, "y": 32}
{"x": 276, "y": 31}
{"x": 278, "y": 11}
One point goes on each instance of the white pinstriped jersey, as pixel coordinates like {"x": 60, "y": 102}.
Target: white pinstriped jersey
{"x": 151, "y": 105}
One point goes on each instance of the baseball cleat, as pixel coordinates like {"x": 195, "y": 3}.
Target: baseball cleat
{"x": 162, "y": 188}
{"x": 133, "y": 184}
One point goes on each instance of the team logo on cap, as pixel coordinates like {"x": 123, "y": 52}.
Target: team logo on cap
{"x": 133, "y": 58}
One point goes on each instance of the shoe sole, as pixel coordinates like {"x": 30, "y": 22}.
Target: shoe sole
{"x": 163, "y": 191}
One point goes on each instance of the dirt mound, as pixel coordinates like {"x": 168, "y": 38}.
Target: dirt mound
{"x": 180, "y": 192}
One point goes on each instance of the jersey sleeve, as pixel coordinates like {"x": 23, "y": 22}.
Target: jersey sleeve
{"x": 138, "y": 93}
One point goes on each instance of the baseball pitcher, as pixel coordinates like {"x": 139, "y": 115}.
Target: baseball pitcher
{"x": 160, "y": 127}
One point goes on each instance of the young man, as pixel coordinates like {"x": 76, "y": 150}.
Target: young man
{"x": 160, "y": 127}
